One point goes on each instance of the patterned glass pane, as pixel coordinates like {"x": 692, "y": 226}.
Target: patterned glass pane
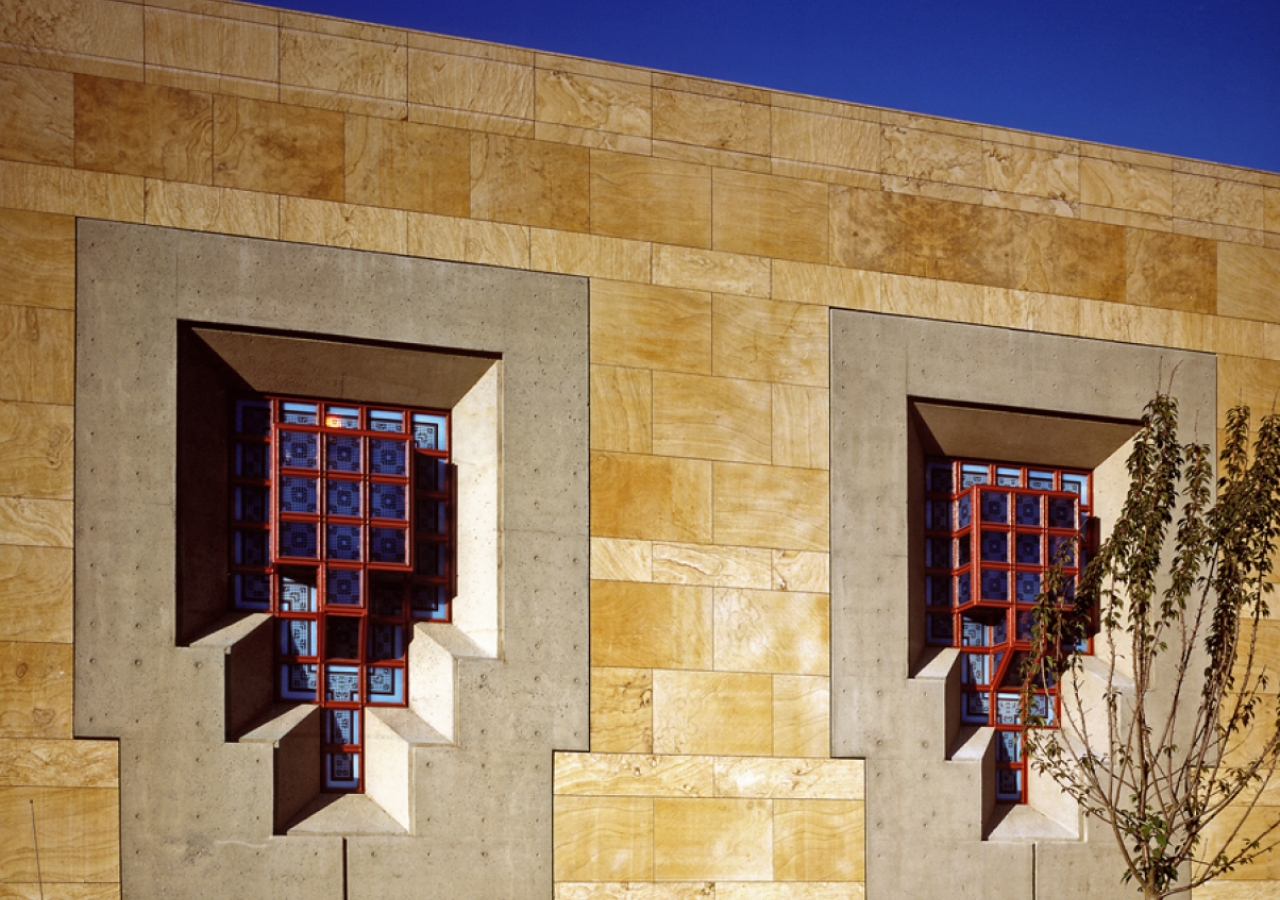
{"x": 973, "y": 474}
{"x": 299, "y": 449}
{"x": 1026, "y": 622}
{"x": 995, "y": 584}
{"x": 388, "y": 596}
{"x": 342, "y": 454}
{"x": 343, "y": 542}
{"x": 251, "y": 592}
{"x": 296, "y": 595}
{"x": 995, "y": 507}
{"x": 1028, "y": 586}
{"x": 937, "y": 553}
{"x": 431, "y": 474}
{"x": 938, "y": 478}
{"x": 1062, "y": 512}
{"x": 975, "y": 668}
{"x": 341, "y": 417}
{"x": 972, "y": 633}
{"x": 386, "y": 420}
{"x": 342, "y": 498}
{"x": 250, "y": 547}
{"x": 299, "y": 540}
{"x": 341, "y": 771}
{"x": 938, "y": 628}
{"x": 1077, "y": 484}
{"x": 387, "y": 501}
{"x": 1008, "y": 746}
{"x": 297, "y": 637}
{"x": 964, "y": 550}
{"x": 253, "y": 417}
{"x": 1062, "y": 550}
{"x": 388, "y": 545}
{"x": 386, "y": 641}
{"x": 298, "y": 681}
{"x": 964, "y": 511}
{"x": 1009, "y": 785}
{"x": 342, "y": 726}
{"x": 429, "y": 602}
{"x": 251, "y": 460}
{"x": 1028, "y": 510}
{"x": 1040, "y": 481}
{"x": 975, "y": 707}
{"x": 298, "y": 413}
{"x": 963, "y": 592}
{"x": 250, "y": 503}
{"x": 386, "y": 684}
{"x": 429, "y": 432}
{"x": 387, "y": 457}
{"x": 1007, "y": 477}
{"x": 937, "y": 590}
{"x": 342, "y": 587}
{"x": 1028, "y": 552}
{"x": 342, "y": 637}
{"x": 995, "y": 546}
{"x": 342, "y": 684}
{"x": 298, "y": 495}
{"x": 1008, "y": 709}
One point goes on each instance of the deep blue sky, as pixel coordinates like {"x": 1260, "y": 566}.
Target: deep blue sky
{"x": 1198, "y": 79}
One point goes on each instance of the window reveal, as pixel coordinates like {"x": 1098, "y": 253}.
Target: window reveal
{"x": 991, "y": 533}
{"x": 342, "y": 527}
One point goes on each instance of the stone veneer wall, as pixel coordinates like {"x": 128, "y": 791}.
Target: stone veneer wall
{"x": 718, "y": 224}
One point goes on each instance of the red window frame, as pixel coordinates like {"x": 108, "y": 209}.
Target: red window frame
{"x": 342, "y": 527}
{"x": 992, "y": 530}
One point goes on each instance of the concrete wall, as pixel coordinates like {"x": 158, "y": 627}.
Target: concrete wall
{"x": 718, "y": 225}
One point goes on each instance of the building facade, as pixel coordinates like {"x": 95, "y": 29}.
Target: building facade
{"x": 693, "y": 342}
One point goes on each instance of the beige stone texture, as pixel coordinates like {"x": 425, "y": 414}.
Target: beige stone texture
{"x": 1026, "y": 170}
{"x": 278, "y": 148}
{"x": 712, "y": 839}
{"x": 650, "y": 199}
{"x": 706, "y": 156}
{"x": 618, "y": 559}
{"x": 467, "y": 240}
{"x": 828, "y": 779}
{"x": 1142, "y": 325}
{"x": 1170, "y": 271}
{"x": 621, "y": 409}
{"x": 596, "y": 140}
{"x": 407, "y": 165}
{"x": 711, "y": 418}
{"x": 650, "y": 327}
{"x": 1248, "y": 282}
{"x": 342, "y": 225}
{"x": 801, "y": 570}
{"x": 197, "y": 207}
{"x": 472, "y": 121}
{"x": 1251, "y": 382}
{"x": 932, "y": 156}
{"x": 1235, "y": 890}
{"x": 589, "y": 254}
{"x": 1271, "y": 209}
{"x": 77, "y": 831}
{"x": 27, "y": 762}
{"x": 1218, "y": 831}
{"x": 711, "y": 565}
{"x": 530, "y": 182}
{"x": 37, "y": 259}
{"x": 801, "y": 427}
{"x": 826, "y": 140}
{"x": 767, "y": 506}
{"x": 496, "y": 87}
{"x": 35, "y": 690}
{"x": 791, "y": 890}
{"x": 603, "y": 838}
{"x": 338, "y": 64}
{"x": 1125, "y": 186}
{"x": 35, "y": 595}
{"x": 785, "y": 633}
{"x": 718, "y": 713}
{"x": 664, "y": 626}
{"x": 35, "y": 523}
{"x": 1031, "y": 311}
{"x": 233, "y": 51}
{"x": 826, "y": 285}
{"x": 70, "y": 192}
{"x": 37, "y": 354}
{"x": 637, "y": 890}
{"x": 790, "y": 168}
{"x": 801, "y": 716}
{"x": 36, "y": 451}
{"x": 567, "y": 98}
{"x": 769, "y": 341}
{"x": 765, "y": 215}
{"x": 716, "y": 122}
{"x": 632, "y": 774}
{"x": 710, "y": 88}
{"x": 818, "y": 840}
{"x": 37, "y": 116}
{"x": 101, "y": 28}
{"x": 1218, "y": 200}
{"x": 650, "y": 497}
{"x": 621, "y": 710}
{"x": 1235, "y": 337}
{"x": 708, "y": 270}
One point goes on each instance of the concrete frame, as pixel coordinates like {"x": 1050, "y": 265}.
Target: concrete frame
{"x": 930, "y": 784}
{"x": 197, "y": 809}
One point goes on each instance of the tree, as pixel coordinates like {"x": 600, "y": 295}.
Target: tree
{"x": 1162, "y": 730}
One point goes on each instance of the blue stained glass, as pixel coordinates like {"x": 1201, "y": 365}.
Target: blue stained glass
{"x": 298, "y": 681}
{"x": 995, "y": 507}
{"x": 296, "y": 595}
{"x": 297, "y": 637}
{"x": 341, "y": 417}
{"x": 342, "y": 454}
{"x": 251, "y": 460}
{"x": 937, "y": 590}
{"x": 972, "y": 634}
{"x": 1008, "y": 477}
{"x": 343, "y": 542}
{"x": 342, "y": 498}
{"x": 298, "y": 413}
{"x": 1075, "y": 483}
{"x": 386, "y": 684}
{"x": 1028, "y": 510}
{"x": 995, "y": 584}
{"x": 1000, "y": 633}
{"x": 386, "y": 420}
{"x": 250, "y": 547}
{"x": 250, "y": 504}
{"x": 387, "y": 501}
{"x": 386, "y": 641}
{"x": 939, "y": 629}
{"x": 342, "y": 637}
{"x": 973, "y": 474}
{"x": 431, "y": 516}
{"x": 936, "y": 553}
{"x": 938, "y": 478}
{"x": 387, "y": 457}
{"x": 1062, "y": 512}
{"x": 429, "y": 432}
{"x": 1040, "y": 481}
{"x": 975, "y": 668}
{"x": 1009, "y": 784}
{"x": 964, "y": 550}
{"x": 1062, "y": 550}
{"x": 253, "y": 417}
{"x": 298, "y": 495}
{"x": 430, "y": 559}
{"x": 995, "y": 546}
{"x": 1040, "y": 708}
{"x": 1026, "y": 622}
{"x": 937, "y": 515}
{"x": 341, "y": 771}
{"x": 388, "y": 596}
{"x": 963, "y": 594}
{"x": 964, "y": 511}
{"x": 1028, "y": 586}
{"x": 342, "y": 587}
{"x": 431, "y": 473}
{"x": 342, "y": 684}
{"x": 1008, "y": 709}
{"x": 429, "y": 602}
{"x": 388, "y": 545}
{"x": 976, "y": 707}
{"x": 1008, "y": 746}
{"x": 342, "y": 726}
{"x": 299, "y": 449}
{"x": 298, "y": 539}
{"x": 252, "y": 592}
{"x": 1028, "y": 552}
